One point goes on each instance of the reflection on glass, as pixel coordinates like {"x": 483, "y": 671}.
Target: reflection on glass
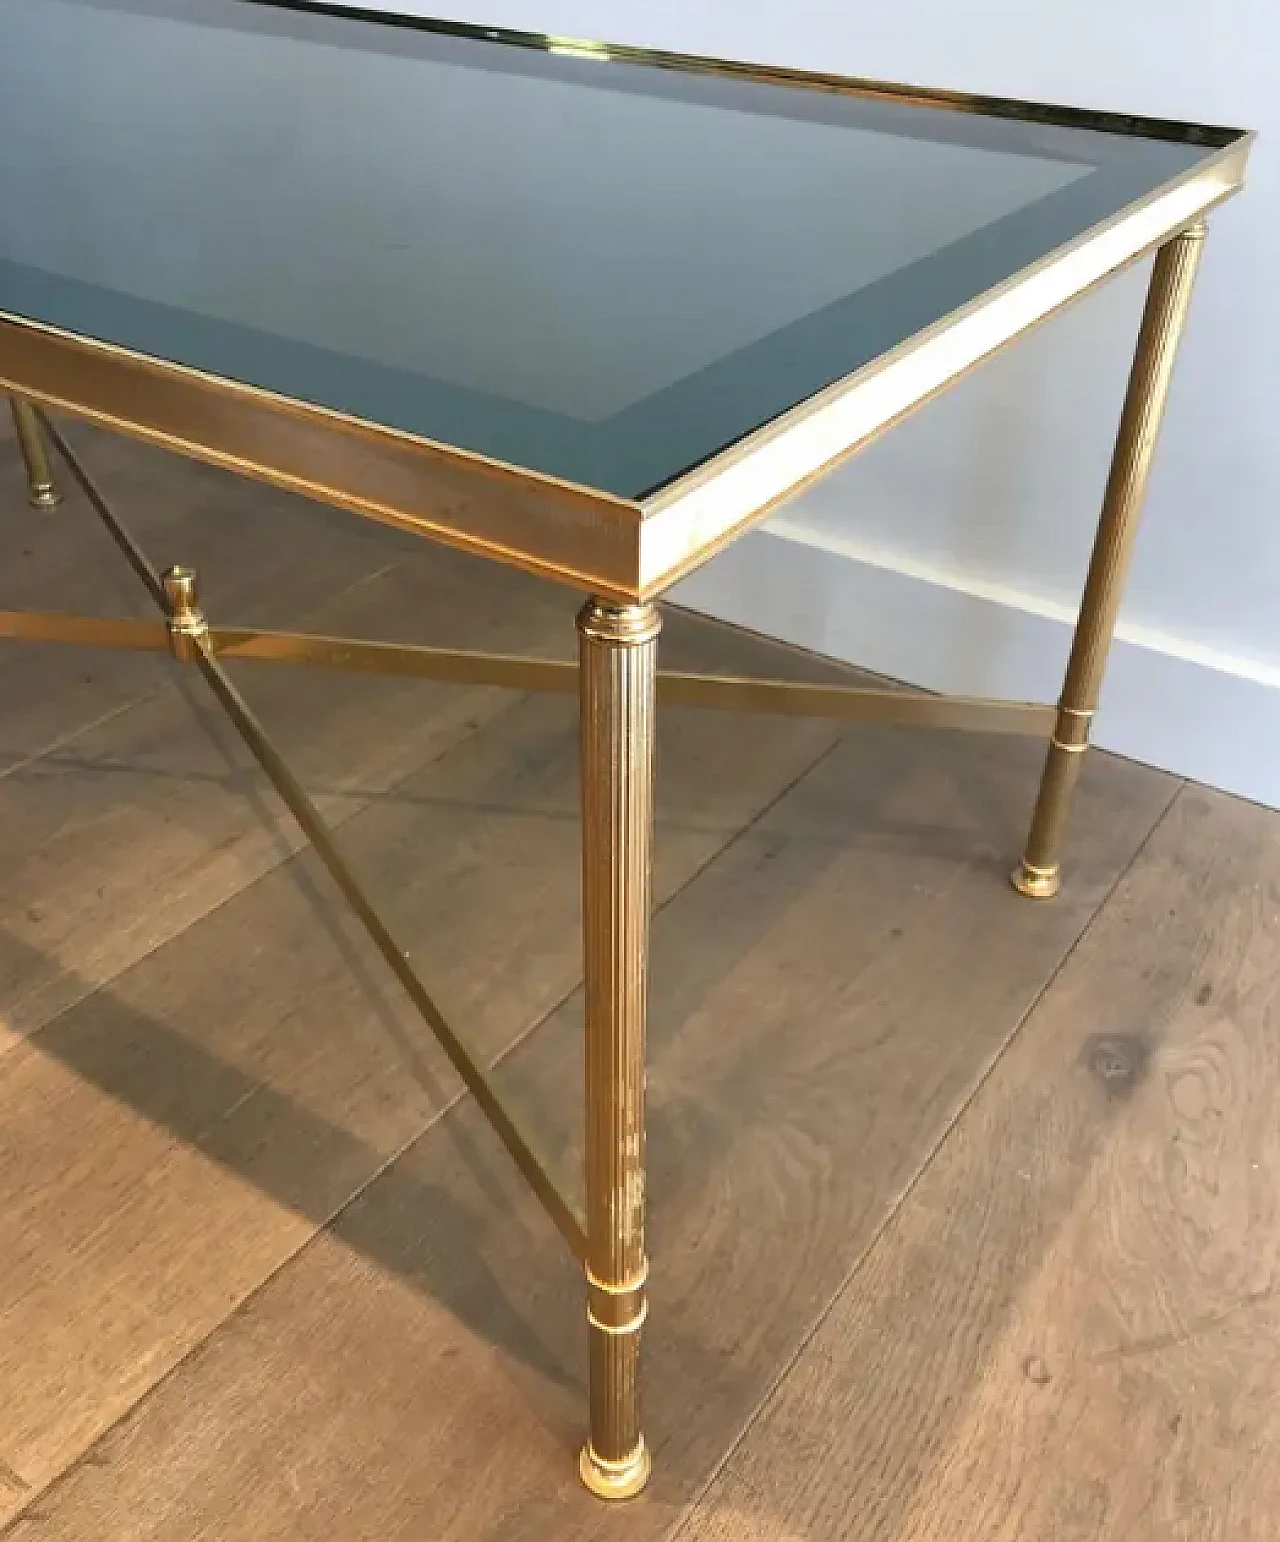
{"x": 597, "y": 270}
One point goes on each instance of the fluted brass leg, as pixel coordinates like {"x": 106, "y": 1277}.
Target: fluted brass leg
{"x": 618, "y": 649}
{"x": 43, "y": 490}
{"x": 1039, "y": 873}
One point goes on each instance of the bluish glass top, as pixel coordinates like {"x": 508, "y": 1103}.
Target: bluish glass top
{"x": 602, "y": 270}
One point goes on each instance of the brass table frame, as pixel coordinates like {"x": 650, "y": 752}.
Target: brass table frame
{"x": 624, "y": 554}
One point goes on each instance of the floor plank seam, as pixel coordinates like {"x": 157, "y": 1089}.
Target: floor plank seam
{"x": 70, "y": 737}
{"x": 37, "y": 1493}
{"x": 680, "y": 1526}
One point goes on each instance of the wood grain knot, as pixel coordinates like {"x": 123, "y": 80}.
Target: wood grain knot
{"x": 1036, "y": 1371}
{"x": 1120, "y": 1061}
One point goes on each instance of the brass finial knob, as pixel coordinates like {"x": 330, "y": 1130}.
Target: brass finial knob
{"x": 186, "y": 619}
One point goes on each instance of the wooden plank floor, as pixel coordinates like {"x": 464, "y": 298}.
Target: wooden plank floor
{"x": 963, "y": 1207}
{"x": 1071, "y": 1328}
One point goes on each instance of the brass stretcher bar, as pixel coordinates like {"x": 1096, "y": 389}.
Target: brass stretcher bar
{"x": 789, "y": 698}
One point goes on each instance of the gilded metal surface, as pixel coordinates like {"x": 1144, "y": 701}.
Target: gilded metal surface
{"x": 620, "y": 1308}
{"x": 853, "y": 704}
{"x": 1163, "y": 320}
{"x": 453, "y": 665}
{"x": 42, "y": 490}
{"x": 615, "y": 1480}
{"x": 581, "y": 536}
{"x": 618, "y": 648}
{"x": 604, "y": 1312}
{"x": 1072, "y": 726}
{"x": 188, "y": 628}
{"x": 456, "y": 666}
{"x": 1036, "y": 882}
{"x": 54, "y": 626}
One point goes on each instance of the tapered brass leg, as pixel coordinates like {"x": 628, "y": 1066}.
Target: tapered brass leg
{"x": 618, "y": 648}
{"x": 1039, "y": 873}
{"x": 43, "y": 490}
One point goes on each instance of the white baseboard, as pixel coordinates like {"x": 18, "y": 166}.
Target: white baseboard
{"x": 1201, "y": 714}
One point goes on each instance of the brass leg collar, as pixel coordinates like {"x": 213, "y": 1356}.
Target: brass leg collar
{"x": 1036, "y": 882}
{"x": 187, "y": 625}
{"x": 617, "y": 1308}
{"x": 621, "y": 625}
{"x": 615, "y": 1480}
{"x": 44, "y": 495}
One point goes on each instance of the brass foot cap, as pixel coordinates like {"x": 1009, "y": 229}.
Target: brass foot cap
{"x": 1036, "y": 882}
{"x": 46, "y": 497}
{"x": 615, "y": 1480}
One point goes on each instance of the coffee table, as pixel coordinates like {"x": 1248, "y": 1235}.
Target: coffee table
{"x": 586, "y": 309}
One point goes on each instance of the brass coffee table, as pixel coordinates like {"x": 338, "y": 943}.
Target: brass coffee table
{"x": 590, "y": 310}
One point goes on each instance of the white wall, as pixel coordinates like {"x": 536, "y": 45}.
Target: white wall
{"x": 951, "y": 552}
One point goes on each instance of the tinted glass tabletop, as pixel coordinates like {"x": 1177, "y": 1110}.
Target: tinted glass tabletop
{"x": 598, "y": 269}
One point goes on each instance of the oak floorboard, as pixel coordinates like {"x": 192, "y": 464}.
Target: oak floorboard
{"x": 1071, "y": 1330}
{"x": 826, "y": 994}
